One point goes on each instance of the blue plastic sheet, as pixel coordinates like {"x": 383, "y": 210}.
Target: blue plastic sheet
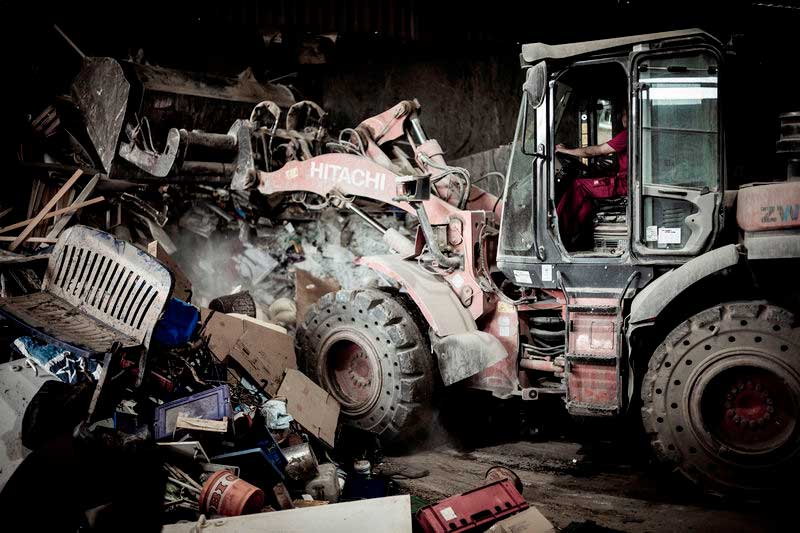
{"x": 64, "y": 365}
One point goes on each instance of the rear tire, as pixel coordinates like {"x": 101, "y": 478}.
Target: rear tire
{"x": 721, "y": 399}
{"x": 366, "y": 349}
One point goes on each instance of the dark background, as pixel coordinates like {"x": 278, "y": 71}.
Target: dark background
{"x": 359, "y": 57}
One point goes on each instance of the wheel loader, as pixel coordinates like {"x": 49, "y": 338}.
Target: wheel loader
{"x": 679, "y": 299}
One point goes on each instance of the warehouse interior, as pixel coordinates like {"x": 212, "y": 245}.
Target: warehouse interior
{"x": 327, "y": 265}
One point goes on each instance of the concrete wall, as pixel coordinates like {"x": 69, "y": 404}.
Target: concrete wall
{"x": 469, "y": 104}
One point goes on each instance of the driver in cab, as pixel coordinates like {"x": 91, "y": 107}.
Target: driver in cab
{"x": 575, "y": 206}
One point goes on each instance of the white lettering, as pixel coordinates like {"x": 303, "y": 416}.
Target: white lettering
{"x": 358, "y": 174}
{"x": 342, "y": 175}
{"x": 373, "y": 181}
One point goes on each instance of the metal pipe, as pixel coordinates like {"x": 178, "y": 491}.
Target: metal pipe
{"x": 547, "y": 320}
{"x": 417, "y": 133}
{"x": 206, "y": 167}
{"x": 69, "y": 41}
{"x": 541, "y": 365}
{"x": 391, "y": 236}
{"x": 547, "y": 334}
{"x": 366, "y": 218}
{"x": 215, "y": 141}
{"x": 430, "y": 238}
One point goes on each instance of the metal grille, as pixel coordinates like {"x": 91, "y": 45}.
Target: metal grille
{"x": 97, "y": 290}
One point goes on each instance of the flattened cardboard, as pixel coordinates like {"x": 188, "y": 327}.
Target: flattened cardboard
{"x": 309, "y": 404}
{"x": 263, "y": 350}
{"x": 528, "y": 521}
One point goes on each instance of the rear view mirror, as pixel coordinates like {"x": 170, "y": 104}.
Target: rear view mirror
{"x": 535, "y": 85}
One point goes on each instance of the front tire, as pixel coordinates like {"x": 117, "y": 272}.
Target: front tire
{"x": 721, "y": 399}
{"x": 366, "y": 349}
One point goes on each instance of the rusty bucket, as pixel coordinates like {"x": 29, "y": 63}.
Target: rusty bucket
{"x": 227, "y": 495}
{"x": 238, "y": 302}
{"x": 496, "y": 473}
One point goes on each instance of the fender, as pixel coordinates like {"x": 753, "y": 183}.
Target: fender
{"x": 649, "y": 303}
{"x": 461, "y": 349}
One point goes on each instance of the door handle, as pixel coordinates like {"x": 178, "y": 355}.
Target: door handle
{"x": 673, "y": 193}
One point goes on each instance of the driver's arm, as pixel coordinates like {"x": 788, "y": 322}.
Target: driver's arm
{"x": 586, "y": 151}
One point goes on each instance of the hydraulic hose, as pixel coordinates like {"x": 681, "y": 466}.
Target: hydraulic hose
{"x": 427, "y": 230}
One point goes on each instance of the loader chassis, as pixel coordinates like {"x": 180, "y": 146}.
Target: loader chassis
{"x": 489, "y": 288}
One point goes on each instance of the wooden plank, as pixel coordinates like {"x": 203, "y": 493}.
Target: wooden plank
{"x": 82, "y": 196}
{"x": 6, "y": 211}
{"x": 73, "y": 207}
{"x": 201, "y": 424}
{"x": 38, "y": 218}
{"x": 11, "y": 239}
{"x": 33, "y": 201}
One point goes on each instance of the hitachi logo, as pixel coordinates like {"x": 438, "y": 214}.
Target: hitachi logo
{"x": 779, "y": 213}
{"x": 356, "y": 177}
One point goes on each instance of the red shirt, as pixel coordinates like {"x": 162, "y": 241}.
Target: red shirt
{"x": 620, "y": 145}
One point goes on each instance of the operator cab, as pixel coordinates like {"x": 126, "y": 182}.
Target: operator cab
{"x": 666, "y": 210}
{"x": 589, "y": 103}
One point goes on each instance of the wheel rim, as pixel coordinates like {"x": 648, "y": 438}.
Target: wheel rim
{"x": 743, "y": 405}
{"x": 350, "y": 371}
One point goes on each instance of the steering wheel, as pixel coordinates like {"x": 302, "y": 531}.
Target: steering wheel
{"x": 571, "y": 165}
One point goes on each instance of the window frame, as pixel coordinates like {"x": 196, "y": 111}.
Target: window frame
{"x": 635, "y": 166}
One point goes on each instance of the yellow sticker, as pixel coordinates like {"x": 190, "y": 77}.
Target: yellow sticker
{"x": 504, "y": 307}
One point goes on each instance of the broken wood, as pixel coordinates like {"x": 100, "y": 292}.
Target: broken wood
{"x": 11, "y": 239}
{"x": 201, "y": 424}
{"x": 74, "y": 207}
{"x": 59, "y": 226}
{"x": 38, "y": 218}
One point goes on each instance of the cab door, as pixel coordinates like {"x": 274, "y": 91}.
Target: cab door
{"x": 677, "y": 152}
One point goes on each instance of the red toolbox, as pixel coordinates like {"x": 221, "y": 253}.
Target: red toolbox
{"x": 472, "y": 509}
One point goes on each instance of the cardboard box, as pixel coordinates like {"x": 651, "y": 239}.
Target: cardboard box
{"x": 309, "y": 404}
{"x": 528, "y": 521}
{"x": 263, "y": 350}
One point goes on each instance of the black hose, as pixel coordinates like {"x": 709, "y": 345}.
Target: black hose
{"x": 427, "y": 230}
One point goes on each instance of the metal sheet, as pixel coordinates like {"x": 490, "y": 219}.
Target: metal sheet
{"x": 436, "y": 300}
{"x": 19, "y": 383}
{"x": 378, "y": 515}
{"x": 101, "y": 93}
{"x": 465, "y": 354}
{"x": 535, "y": 52}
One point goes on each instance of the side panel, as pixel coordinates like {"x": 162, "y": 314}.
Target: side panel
{"x": 768, "y": 207}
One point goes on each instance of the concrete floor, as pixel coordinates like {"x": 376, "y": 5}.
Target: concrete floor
{"x": 603, "y": 482}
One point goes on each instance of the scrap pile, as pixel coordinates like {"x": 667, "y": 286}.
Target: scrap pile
{"x": 148, "y": 307}
{"x": 214, "y": 400}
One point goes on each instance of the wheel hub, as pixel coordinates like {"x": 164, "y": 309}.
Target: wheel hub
{"x": 748, "y": 408}
{"x": 350, "y": 371}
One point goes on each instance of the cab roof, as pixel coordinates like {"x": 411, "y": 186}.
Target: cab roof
{"x": 535, "y": 52}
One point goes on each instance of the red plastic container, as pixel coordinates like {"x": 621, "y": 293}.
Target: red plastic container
{"x": 225, "y": 494}
{"x": 472, "y": 509}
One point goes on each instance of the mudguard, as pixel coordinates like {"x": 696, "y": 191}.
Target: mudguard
{"x": 461, "y": 349}
{"x": 466, "y": 354}
{"x": 647, "y": 305}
